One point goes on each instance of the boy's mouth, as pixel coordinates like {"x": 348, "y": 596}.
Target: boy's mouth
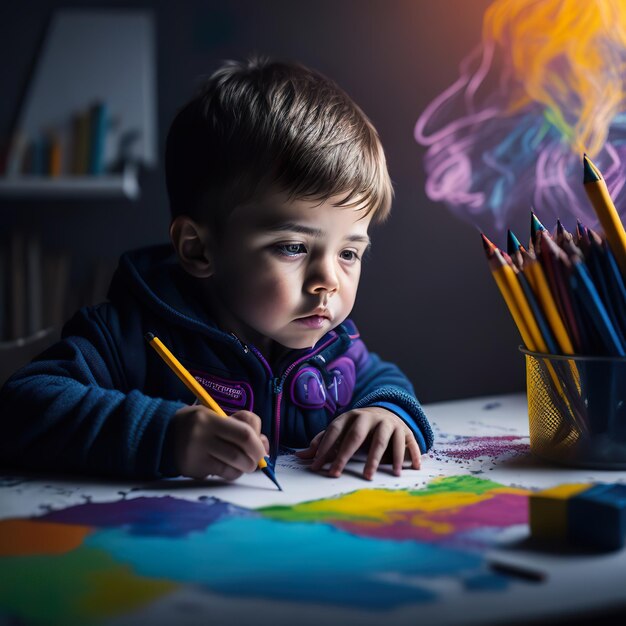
{"x": 320, "y": 311}
{"x": 313, "y": 321}
{"x": 316, "y": 318}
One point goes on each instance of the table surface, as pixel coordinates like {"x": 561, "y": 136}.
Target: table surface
{"x": 413, "y": 548}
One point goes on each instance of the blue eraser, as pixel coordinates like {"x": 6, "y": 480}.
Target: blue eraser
{"x": 597, "y": 517}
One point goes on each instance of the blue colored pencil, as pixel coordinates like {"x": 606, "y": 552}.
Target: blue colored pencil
{"x": 617, "y": 287}
{"x": 535, "y": 228}
{"x": 581, "y": 283}
{"x": 540, "y": 318}
{"x": 601, "y": 273}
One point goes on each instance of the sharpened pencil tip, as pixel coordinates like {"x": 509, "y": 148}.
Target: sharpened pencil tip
{"x": 535, "y": 226}
{"x": 512, "y": 242}
{"x": 148, "y": 337}
{"x": 488, "y": 245}
{"x": 590, "y": 172}
{"x": 269, "y": 472}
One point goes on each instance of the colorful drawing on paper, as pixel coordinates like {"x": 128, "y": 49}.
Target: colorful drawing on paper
{"x": 86, "y": 563}
{"x": 547, "y": 83}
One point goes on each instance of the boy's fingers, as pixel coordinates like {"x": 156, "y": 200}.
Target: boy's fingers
{"x": 252, "y": 419}
{"x": 352, "y": 441}
{"x": 309, "y": 453}
{"x": 216, "y": 467}
{"x": 306, "y": 453}
{"x": 414, "y": 451}
{"x": 239, "y": 457}
{"x": 244, "y": 439}
{"x": 330, "y": 437}
{"x": 379, "y": 444}
{"x": 398, "y": 447}
{"x": 266, "y": 443}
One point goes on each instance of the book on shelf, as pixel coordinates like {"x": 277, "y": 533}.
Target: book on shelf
{"x": 16, "y": 287}
{"x": 80, "y": 143}
{"x": 56, "y": 275}
{"x": 33, "y": 285}
{"x": 55, "y": 155}
{"x": 110, "y": 91}
{"x": 16, "y": 154}
{"x": 33, "y": 288}
{"x": 98, "y": 127}
{"x": 78, "y": 147}
{"x": 40, "y": 156}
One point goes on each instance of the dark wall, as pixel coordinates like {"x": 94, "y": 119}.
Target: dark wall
{"x": 427, "y": 300}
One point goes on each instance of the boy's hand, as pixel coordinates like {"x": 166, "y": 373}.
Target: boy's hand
{"x": 348, "y": 432}
{"x": 205, "y": 443}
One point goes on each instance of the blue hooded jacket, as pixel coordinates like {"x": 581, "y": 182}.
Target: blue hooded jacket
{"x": 101, "y": 400}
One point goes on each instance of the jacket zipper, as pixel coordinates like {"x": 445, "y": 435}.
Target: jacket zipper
{"x": 277, "y": 385}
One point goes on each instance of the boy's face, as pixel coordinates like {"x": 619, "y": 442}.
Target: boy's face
{"x": 287, "y": 271}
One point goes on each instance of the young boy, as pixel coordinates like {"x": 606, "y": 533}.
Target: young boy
{"x": 274, "y": 176}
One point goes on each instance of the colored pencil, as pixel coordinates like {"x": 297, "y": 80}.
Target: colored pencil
{"x": 581, "y": 282}
{"x": 515, "y": 260}
{"x": 518, "y": 570}
{"x": 504, "y": 276}
{"x": 566, "y": 387}
{"x": 548, "y": 304}
{"x": 617, "y": 287}
{"x": 598, "y": 194}
{"x": 601, "y": 270}
{"x": 544, "y": 328}
{"x": 536, "y": 227}
{"x": 199, "y": 391}
{"x": 514, "y": 249}
{"x": 552, "y": 259}
{"x": 517, "y": 302}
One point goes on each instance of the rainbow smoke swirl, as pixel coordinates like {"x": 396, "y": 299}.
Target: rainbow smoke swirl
{"x": 545, "y": 85}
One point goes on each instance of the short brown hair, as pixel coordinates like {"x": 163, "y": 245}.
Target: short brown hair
{"x": 257, "y": 124}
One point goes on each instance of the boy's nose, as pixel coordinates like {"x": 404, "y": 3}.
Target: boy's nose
{"x": 322, "y": 276}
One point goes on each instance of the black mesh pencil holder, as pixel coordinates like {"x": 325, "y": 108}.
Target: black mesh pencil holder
{"x": 577, "y": 409}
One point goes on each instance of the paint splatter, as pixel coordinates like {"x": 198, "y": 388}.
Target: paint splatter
{"x": 492, "y": 405}
{"x": 164, "y": 516}
{"x": 124, "y": 555}
{"x": 473, "y": 448}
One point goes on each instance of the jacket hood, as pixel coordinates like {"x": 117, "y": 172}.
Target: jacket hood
{"x": 153, "y": 276}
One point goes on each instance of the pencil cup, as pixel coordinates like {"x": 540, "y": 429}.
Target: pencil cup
{"x": 577, "y": 409}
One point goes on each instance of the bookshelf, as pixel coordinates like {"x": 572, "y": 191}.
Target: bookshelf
{"x": 104, "y": 185}
{"x": 86, "y": 127}
{"x": 91, "y": 60}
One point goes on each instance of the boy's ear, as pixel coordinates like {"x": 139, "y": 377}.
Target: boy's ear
{"x": 191, "y": 242}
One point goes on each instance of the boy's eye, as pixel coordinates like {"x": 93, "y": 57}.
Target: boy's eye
{"x": 349, "y": 255}
{"x": 290, "y": 249}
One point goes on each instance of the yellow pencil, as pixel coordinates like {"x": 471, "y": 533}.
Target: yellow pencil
{"x": 199, "y": 391}
{"x": 540, "y": 285}
{"x": 496, "y": 266}
{"x": 598, "y": 193}
{"x": 519, "y": 308}
{"x": 548, "y": 304}
{"x": 517, "y": 303}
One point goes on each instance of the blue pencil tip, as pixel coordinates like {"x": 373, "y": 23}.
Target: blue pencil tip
{"x": 269, "y": 472}
{"x": 512, "y": 242}
{"x": 535, "y": 226}
{"x": 589, "y": 173}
